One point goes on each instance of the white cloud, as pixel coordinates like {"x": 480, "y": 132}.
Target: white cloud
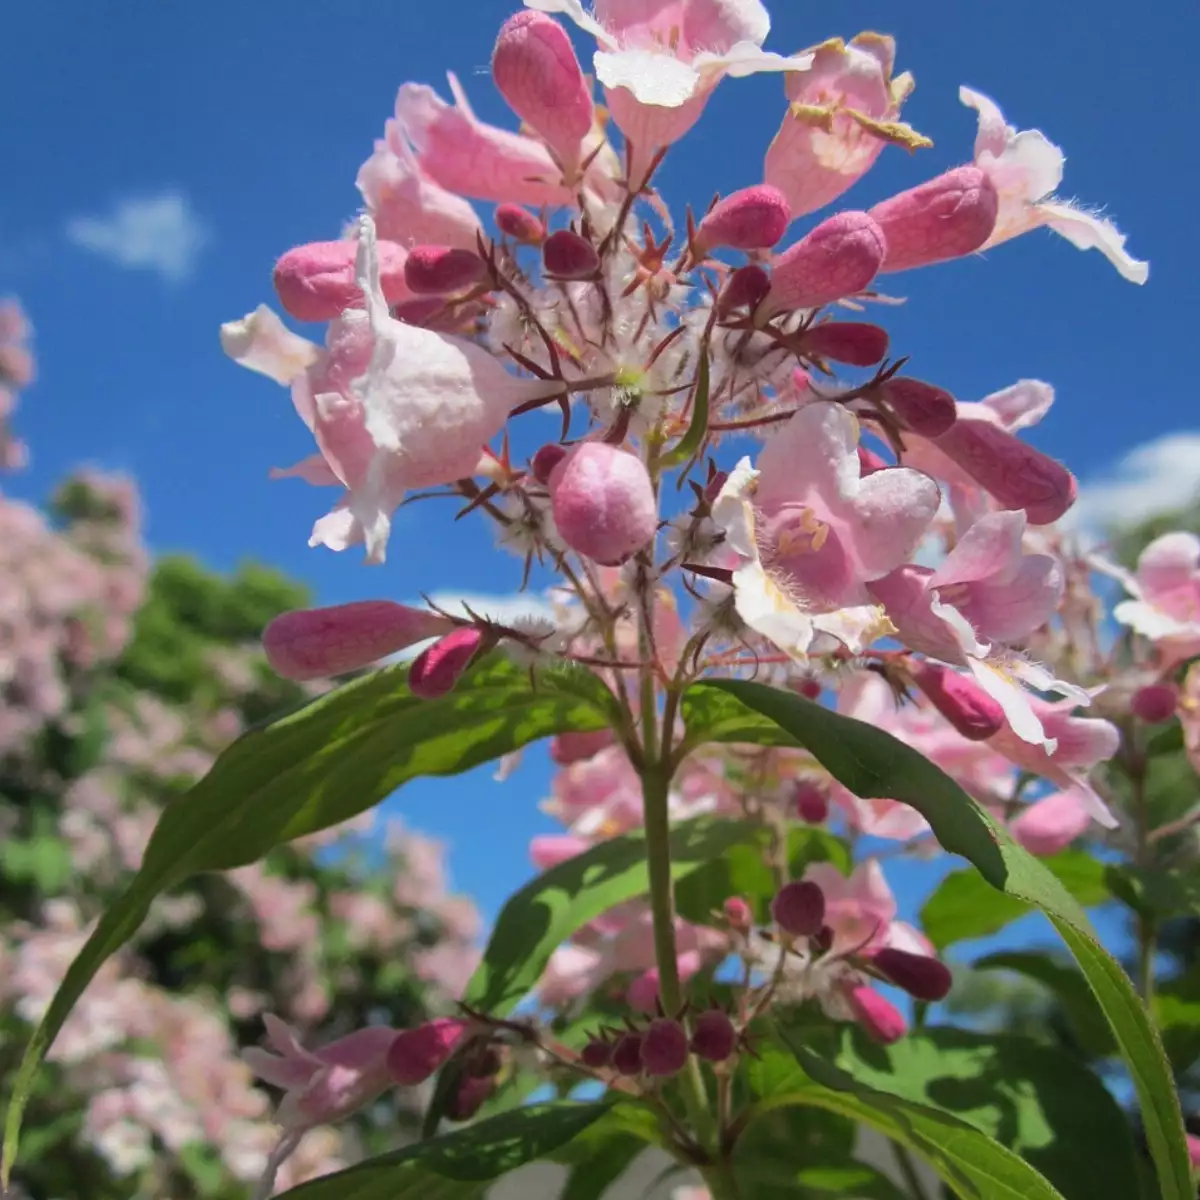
{"x": 1153, "y": 478}
{"x": 158, "y": 233}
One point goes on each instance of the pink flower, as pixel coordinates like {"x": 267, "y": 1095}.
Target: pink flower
{"x": 414, "y": 1055}
{"x": 408, "y": 206}
{"x": 316, "y": 282}
{"x": 394, "y": 407}
{"x": 1051, "y": 824}
{"x": 842, "y": 112}
{"x": 464, "y": 155}
{"x": 536, "y": 71}
{"x": 811, "y": 531}
{"x": 659, "y": 61}
{"x": 882, "y": 1020}
{"x": 1166, "y": 596}
{"x": 316, "y": 643}
{"x": 1026, "y": 168}
{"x": 435, "y": 671}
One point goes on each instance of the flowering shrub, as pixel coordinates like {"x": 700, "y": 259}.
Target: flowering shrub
{"x": 120, "y": 684}
{"x": 868, "y": 628}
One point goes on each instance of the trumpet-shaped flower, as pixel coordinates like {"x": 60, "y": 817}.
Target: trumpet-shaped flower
{"x": 1165, "y": 591}
{"x": 1026, "y": 168}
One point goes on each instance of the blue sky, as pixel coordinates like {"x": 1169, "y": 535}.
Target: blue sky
{"x": 208, "y": 138}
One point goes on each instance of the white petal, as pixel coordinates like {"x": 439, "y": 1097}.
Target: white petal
{"x": 994, "y": 131}
{"x": 1149, "y": 621}
{"x": 746, "y": 58}
{"x": 732, "y": 512}
{"x": 261, "y": 342}
{"x": 652, "y": 77}
{"x": 767, "y": 610}
{"x": 1086, "y": 231}
{"x": 1015, "y": 703}
{"x": 857, "y": 627}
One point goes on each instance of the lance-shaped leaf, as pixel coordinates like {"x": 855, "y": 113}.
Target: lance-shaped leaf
{"x": 873, "y": 764}
{"x": 310, "y": 770}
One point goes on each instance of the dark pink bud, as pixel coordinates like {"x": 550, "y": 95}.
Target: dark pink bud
{"x": 960, "y": 700}
{"x": 520, "y": 224}
{"x": 440, "y": 270}
{"x": 918, "y": 974}
{"x": 664, "y": 1048}
{"x": 838, "y": 258}
{"x": 745, "y": 288}
{"x": 753, "y": 219}
{"x": 713, "y": 1036}
{"x": 417, "y": 1053}
{"x": 738, "y": 913}
{"x": 869, "y": 462}
{"x": 822, "y": 940}
{"x": 811, "y": 689}
{"x": 435, "y": 671}
{"x": 1155, "y": 703}
{"x": 597, "y": 1055}
{"x": 1016, "y": 474}
{"x": 570, "y": 748}
{"x": 627, "y": 1055}
{"x": 422, "y": 312}
{"x": 545, "y": 460}
{"x": 536, "y": 71}
{"x": 316, "y": 643}
{"x": 852, "y": 342}
{"x": 799, "y": 908}
{"x": 945, "y": 218}
{"x": 811, "y": 802}
{"x": 603, "y": 503}
{"x": 316, "y": 282}
{"x": 566, "y": 255}
{"x": 472, "y": 1094}
{"x": 926, "y": 410}
{"x": 882, "y": 1020}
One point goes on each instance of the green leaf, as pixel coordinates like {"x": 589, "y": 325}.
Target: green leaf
{"x": 603, "y": 1153}
{"x": 461, "y": 1165}
{"x": 743, "y": 871}
{"x": 965, "y": 905}
{"x": 1071, "y": 989}
{"x": 853, "y": 1179}
{"x": 873, "y": 764}
{"x": 550, "y": 908}
{"x": 1037, "y": 1101}
{"x": 312, "y": 769}
{"x": 698, "y": 429}
{"x": 1178, "y": 1010}
{"x": 969, "y": 1161}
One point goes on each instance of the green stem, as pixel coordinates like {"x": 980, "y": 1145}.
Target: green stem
{"x": 1147, "y": 927}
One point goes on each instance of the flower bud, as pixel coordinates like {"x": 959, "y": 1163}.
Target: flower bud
{"x": 520, "y": 224}
{"x": 627, "y": 1055}
{"x": 738, "y": 913}
{"x": 536, "y": 71}
{"x": 838, "y": 258}
{"x": 918, "y": 974}
{"x": 882, "y": 1020}
{"x": 569, "y": 748}
{"x": 811, "y": 802}
{"x": 550, "y": 849}
{"x": 1014, "y": 473}
{"x": 423, "y": 312}
{"x": 944, "y": 218}
{"x": 713, "y": 1036}
{"x": 566, "y": 255}
{"x": 927, "y": 410}
{"x": 440, "y": 270}
{"x": 810, "y": 689}
{"x": 597, "y": 1055}
{"x": 1155, "y": 703}
{"x": 822, "y": 940}
{"x": 316, "y": 282}
{"x": 753, "y": 219}
{"x": 664, "y": 1048}
{"x": 603, "y": 503}
{"x": 435, "y": 671}
{"x": 799, "y": 908}
{"x": 472, "y": 1094}
{"x": 417, "y": 1053}
{"x": 545, "y": 460}
{"x": 960, "y": 700}
{"x": 316, "y": 643}
{"x": 745, "y": 288}
{"x": 852, "y": 342}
